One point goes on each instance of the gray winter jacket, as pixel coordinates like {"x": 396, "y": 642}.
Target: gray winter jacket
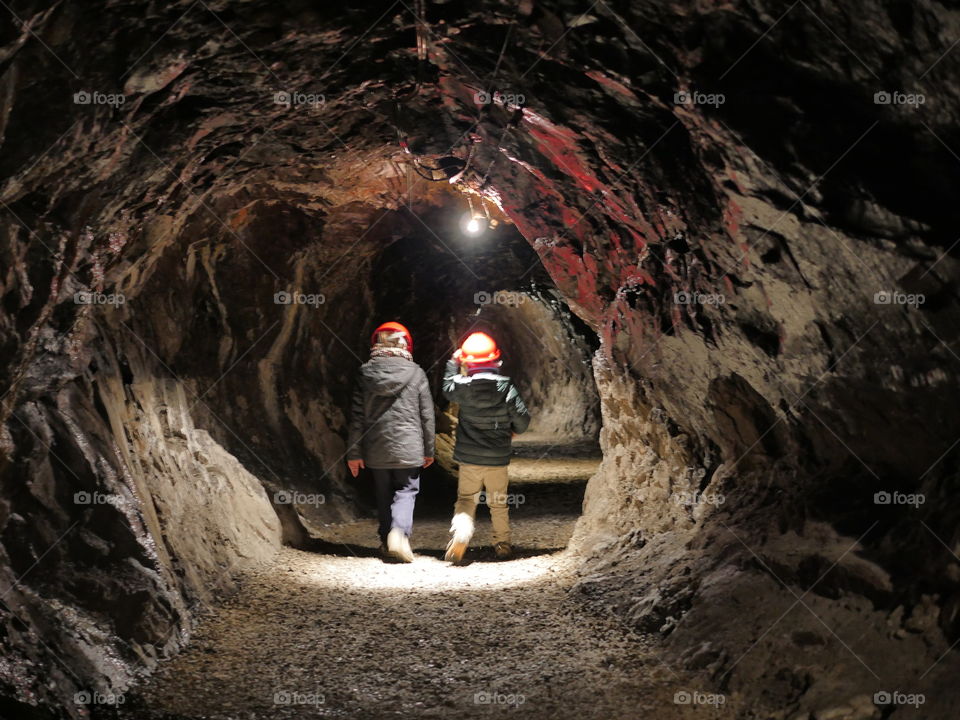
{"x": 391, "y": 418}
{"x": 491, "y": 410}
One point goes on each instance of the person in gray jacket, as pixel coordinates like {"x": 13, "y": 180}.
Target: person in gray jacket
{"x": 392, "y": 433}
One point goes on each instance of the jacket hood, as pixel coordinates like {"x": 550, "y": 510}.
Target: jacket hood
{"x": 387, "y": 376}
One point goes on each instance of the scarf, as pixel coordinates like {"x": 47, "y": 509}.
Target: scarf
{"x": 381, "y": 350}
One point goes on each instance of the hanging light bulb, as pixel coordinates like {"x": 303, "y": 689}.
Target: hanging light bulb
{"x": 473, "y": 223}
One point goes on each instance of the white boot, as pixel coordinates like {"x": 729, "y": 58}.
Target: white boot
{"x": 399, "y": 546}
{"x": 462, "y": 528}
{"x": 406, "y": 552}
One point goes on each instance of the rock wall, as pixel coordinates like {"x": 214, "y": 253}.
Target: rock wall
{"x": 122, "y": 521}
{"x": 737, "y": 260}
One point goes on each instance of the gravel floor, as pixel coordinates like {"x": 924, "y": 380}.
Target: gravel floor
{"x": 343, "y": 634}
{"x": 328, "y": 636}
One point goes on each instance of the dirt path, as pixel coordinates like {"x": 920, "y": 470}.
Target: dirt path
{"x": 347, "y": 635}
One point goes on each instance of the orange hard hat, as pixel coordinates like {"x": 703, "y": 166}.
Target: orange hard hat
{"x": 479, "y": 348}
{"x": 393, "y": 327}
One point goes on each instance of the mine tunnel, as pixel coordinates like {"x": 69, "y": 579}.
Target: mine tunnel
{"x": 716, "y": 247}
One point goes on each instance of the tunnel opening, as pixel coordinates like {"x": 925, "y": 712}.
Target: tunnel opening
{"x": 443, "y": 284}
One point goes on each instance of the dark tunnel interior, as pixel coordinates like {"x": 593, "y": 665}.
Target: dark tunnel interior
{"x": 443, "y": 285}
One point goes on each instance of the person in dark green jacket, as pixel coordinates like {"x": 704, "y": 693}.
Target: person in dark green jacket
{"x": 491, "y": 413}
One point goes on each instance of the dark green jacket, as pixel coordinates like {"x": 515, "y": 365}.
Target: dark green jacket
{"x": 491, "y": 410}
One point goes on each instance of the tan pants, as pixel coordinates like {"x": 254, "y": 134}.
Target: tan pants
{"x": 492, "y": 481}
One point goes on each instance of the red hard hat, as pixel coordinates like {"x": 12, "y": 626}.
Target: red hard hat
{"x": 479, "y": 348}
{"x": 393, "y": 327}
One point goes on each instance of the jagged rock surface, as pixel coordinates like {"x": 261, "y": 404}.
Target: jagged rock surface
{"x": 796, "y": 398}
